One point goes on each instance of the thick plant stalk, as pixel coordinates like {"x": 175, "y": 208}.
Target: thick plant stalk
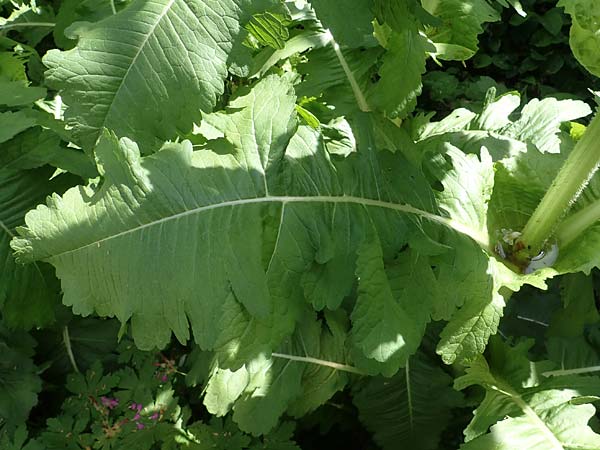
{"x": 572, "y": 178}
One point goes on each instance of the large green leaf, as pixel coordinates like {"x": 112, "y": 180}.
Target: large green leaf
{"x": 236, "y": 237}
{"x": 525, "y": 410}
{"x": 411, "y": 409}
{"x": 254, "y": 191}
{"x": 159, "y": 63}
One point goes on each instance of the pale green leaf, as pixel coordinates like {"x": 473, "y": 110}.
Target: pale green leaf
{"x": 264, "y": 388}
{"x": 540, "y": 122}
{"x": 523, "y": 410}
{"x": 238, "y": 236}
{"x": 161, "y": 61}
{"x": 584, "y": 38}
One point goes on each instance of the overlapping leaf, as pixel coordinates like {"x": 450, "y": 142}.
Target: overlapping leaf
{"x": 525, "y": 411}
{"x": 160, "y": 62}
{"x": 261, "y": 391}
{"x": 273, "y": 203}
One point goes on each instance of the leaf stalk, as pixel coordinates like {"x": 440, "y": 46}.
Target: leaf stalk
{"x": 570, "y": 181}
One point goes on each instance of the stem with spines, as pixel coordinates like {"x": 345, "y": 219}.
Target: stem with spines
{"x": 570, "y": 181}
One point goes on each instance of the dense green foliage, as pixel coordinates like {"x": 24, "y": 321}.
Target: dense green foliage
{"x": 275, "y": 224}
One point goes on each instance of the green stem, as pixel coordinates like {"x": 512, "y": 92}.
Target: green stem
{"x": 320, "y": 362}
{"x": 577, "y": 223}
{"x": 67, "y": 342}
{"x": 358, "y": 94}
{"x": 27, "y": 24}
{"x": 572, "y": 178}
{"x": 578, "y": 371}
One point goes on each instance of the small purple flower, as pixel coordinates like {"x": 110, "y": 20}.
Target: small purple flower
{"x": 110, "y": 403}
{"x": 164, "y": 378}
{"x": 137, "y": 416}
{"x": 154, "y": 416}
{"x": 136, "y": 407}
{"x": 139, "y": 425}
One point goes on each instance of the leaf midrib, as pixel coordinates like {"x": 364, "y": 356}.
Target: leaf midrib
{"x": 477, "y": 236}
{"x": 516, "y": 398}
